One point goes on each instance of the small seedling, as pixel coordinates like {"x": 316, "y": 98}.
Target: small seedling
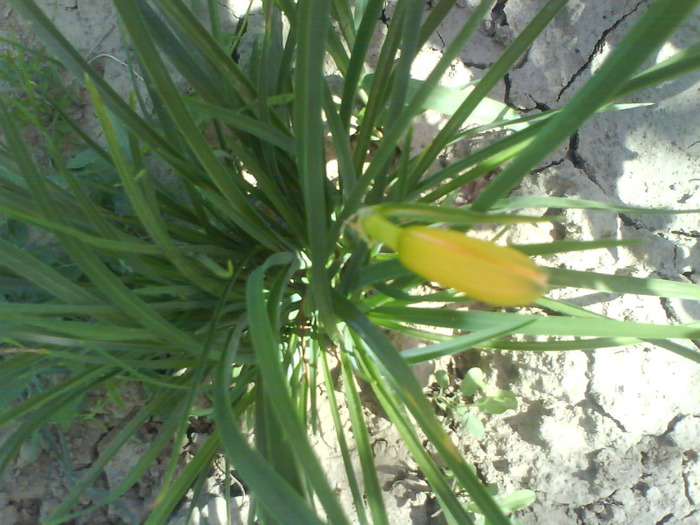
{"x": 510, "y": 503}
{"x": 457, "y": 404}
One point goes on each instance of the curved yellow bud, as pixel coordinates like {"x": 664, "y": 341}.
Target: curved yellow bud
{"x": 496, "y": 275}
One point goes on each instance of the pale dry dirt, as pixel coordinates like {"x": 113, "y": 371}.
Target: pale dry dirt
{"x": 610, "y": 436}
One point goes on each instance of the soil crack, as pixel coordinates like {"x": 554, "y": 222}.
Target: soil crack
{"x": 691, "y": 514}
{"x": 668, "y": 310}
{"x": 665, "y": 519}
{"x": 686, "y": 486}
{"x": 442, "y": 40}
{"x": 630, "y": 222}
{"x": 548, "y": 165}
{"x": 597, "y": 49}
{"x": 476, "y": 65}
{"x": 498, "y": 18}
{"x": 578, "y": 162}
{"x": 590, "y": 402}
{"x": 384, "y": 17}
{"x": 691, "y": 235}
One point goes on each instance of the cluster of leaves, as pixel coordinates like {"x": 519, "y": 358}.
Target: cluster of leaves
{"x": 209, "y": 253}
{"x": 457, "y": 403}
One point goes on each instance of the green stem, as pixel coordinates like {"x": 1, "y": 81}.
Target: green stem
{"x": 379, "y": 228}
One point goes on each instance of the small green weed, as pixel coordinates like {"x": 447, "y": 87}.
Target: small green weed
{"x": 40, "y": 91}
{"x": 461, "y": 403}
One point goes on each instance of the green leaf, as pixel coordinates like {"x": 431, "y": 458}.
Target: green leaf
{"x": 517, "y": 500}
{"x": 245, "y": 215}
{"x": 494, "y": 74}
{"x": 447, "y": 100}
{"x": 311, "y": 25}
{"x": 72, "y": 59}
{"x": 473, "y": 425}
{"x": 498, "y": 403}
{"x": 440, "y": 483}
{"x": 684, "y": 61}
{"x": 35, "y": 271}
{"x": 405, "y": 384}
{"x": 552, "y": 247}
{"x": 623, "y": 284}
{"x": 461, "y": 216}
{"x": 442, "y": 378}
{"x": 398, "y": 128}
{"x": 473, "y": 382}
{"x": 236, "y": 119}
{"x": 140, "y": 191}
{"x": 361, "y": 434}
{"x": 114, "y": 445}
{"x": 365, "y": 31}
{"x": 104, "y": 279}
{"x": 201, "y": 462}
{"x": 272, "y": 491}
{"x": 267, "y": 347}
{"x": 372, "y": 492}
{"x": 473, "y": 320}
{"x": 537, "y": 201}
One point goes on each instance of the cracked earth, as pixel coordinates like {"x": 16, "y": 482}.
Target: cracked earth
{"x": 604, "y": 437}
{"x": 611, "y": 436}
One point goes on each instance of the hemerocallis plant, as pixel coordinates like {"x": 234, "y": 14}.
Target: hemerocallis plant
{"x": 211, "y": 164}
{"x": 493, "y": 274}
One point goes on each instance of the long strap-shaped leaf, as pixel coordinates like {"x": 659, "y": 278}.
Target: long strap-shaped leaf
{"x": 458, "y": 344}
{"x": 402, "y": 380}
{"x": 577, "y": 311}
{"x": 186, "y": 21}
{"x": 312, "y": 20}
{"x": 623, "y": 284}
{"x": 378, "y": 94}
{"x": 42, "y": 275}
{"x": 146, "y": 461}
{"x": 234, "y": 83}
{"x": 43, "y": 408}
{"x": 267, "y": 351}
{"x": 246, "y": 216}
{"x": 487, "y": 83}
{"x": 108, "y": 283}
{"x": 355, "y": 69}
{"x": 544, "y": 201}
{"x": 149, "y": 214}
{"x": 652, "y": 30}
{"x": 272, "y": 490}
{"x": 452, "y": 508}
{"x": 373, "y": 492}
{"x": 244, "y": 123}
{"x": 363, "y": 452}
{"x": 17, "y": 210}
{"x": 542, "y": 325}
{"x": 27, "y": 406}
{"x": 90, "y": 213}
{"x": 399, "y": 126}
{"x": 685, "y": 61}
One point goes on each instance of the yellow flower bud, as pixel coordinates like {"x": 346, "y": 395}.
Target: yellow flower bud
{"x": 496, "y": 275}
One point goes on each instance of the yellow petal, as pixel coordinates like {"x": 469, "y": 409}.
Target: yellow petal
{"x": 489, "y": 273}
